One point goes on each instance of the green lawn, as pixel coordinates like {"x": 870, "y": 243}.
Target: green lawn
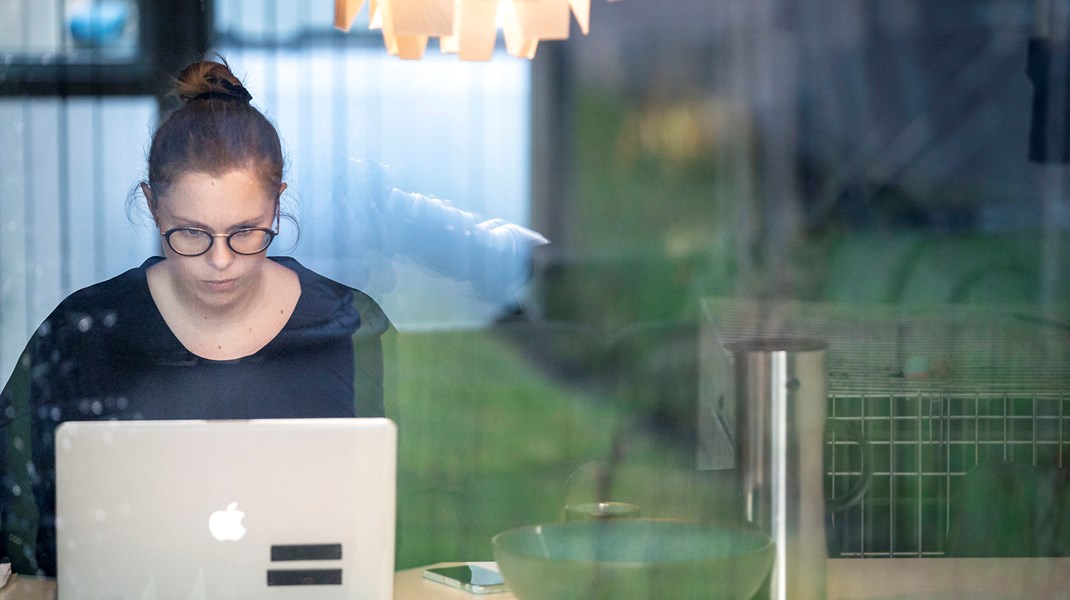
{"x": 486, "y": 442}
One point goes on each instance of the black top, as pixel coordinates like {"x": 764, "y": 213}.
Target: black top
{"x": 106, "y": 353}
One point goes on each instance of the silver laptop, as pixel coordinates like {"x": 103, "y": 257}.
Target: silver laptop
{"x": 192, "y": 510}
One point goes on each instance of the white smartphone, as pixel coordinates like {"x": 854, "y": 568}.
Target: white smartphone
{"x": 470, "y": 578}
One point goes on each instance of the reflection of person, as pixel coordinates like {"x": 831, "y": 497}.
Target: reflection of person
{"x": 213, "y": 330}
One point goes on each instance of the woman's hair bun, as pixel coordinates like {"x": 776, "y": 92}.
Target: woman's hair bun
{"x": 210, "y": 80}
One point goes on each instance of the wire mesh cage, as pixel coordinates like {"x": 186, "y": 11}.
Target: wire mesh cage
{"x": 939, "y": 395}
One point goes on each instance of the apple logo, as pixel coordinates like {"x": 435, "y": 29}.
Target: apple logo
{"x": 226, "y": 524}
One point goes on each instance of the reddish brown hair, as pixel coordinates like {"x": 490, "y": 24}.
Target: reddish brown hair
{"x": 215, "y": 131}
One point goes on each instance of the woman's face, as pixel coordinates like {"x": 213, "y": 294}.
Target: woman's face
{"x": 218, "y": 204}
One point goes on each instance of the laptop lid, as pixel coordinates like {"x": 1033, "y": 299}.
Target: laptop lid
{"x": 287, "y": 509}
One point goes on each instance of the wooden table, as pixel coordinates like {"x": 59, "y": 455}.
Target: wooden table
{"x": 848, "y": 579}
{"x": 949, "y": 578}
{"x": 20, "y": 587}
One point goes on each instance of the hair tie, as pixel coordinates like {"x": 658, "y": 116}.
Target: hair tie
{"x": 234, "y": 93}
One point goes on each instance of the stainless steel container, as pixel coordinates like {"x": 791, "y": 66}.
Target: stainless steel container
{"x": 781, "y": 407}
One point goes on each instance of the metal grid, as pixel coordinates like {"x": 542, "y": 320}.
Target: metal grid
{"x": 936, "y": 393}
{"x": 921, "y": 447}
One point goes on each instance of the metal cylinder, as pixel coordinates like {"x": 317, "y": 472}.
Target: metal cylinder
{"x": 781, "y": 404}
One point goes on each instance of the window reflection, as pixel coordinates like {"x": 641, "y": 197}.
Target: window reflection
{"x": 853, "y": 171}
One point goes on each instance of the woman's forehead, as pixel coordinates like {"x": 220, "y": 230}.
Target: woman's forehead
{"x": 235, "y": 181}
{"x": 233, "y": 195}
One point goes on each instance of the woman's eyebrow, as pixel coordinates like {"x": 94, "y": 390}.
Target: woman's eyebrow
{"x": 247, "y": 223}
{"x": 184, "y": 222}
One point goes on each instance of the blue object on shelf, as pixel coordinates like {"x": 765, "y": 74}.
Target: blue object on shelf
{"x": 98, "y": 22}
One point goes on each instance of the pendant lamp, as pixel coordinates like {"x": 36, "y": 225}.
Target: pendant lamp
{"x": 468, "y": 28}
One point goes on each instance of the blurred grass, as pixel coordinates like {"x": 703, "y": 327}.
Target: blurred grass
{"x": 486, "y": 442}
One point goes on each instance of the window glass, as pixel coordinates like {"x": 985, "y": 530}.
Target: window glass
{"x": 572, "y": 249}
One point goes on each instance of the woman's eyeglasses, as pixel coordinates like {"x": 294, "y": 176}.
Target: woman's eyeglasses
{"x": 191, "y": 241}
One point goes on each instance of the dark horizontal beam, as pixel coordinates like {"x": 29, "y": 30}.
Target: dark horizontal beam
{"x": 78, "y": 80}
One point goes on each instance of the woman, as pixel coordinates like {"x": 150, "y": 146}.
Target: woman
{"x": 215, "y": 329}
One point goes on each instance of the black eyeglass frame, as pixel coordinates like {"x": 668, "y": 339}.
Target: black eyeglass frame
{"x": 271, "y": 233}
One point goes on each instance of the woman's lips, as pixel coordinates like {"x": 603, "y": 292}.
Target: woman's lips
{"x": 218, "y": 285}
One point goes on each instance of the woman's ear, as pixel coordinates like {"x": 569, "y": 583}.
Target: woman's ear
{"x": 278, "y": 206}
{"x": 150, "y": 201}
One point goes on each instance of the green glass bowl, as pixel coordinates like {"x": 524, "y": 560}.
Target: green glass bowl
{"x": 626, "y": 559}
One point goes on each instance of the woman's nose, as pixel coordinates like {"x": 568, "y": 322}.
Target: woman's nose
{"x": 220, "y": 255}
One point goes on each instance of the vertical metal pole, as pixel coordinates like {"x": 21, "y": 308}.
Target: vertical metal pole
{"x": 63, "y": 124}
